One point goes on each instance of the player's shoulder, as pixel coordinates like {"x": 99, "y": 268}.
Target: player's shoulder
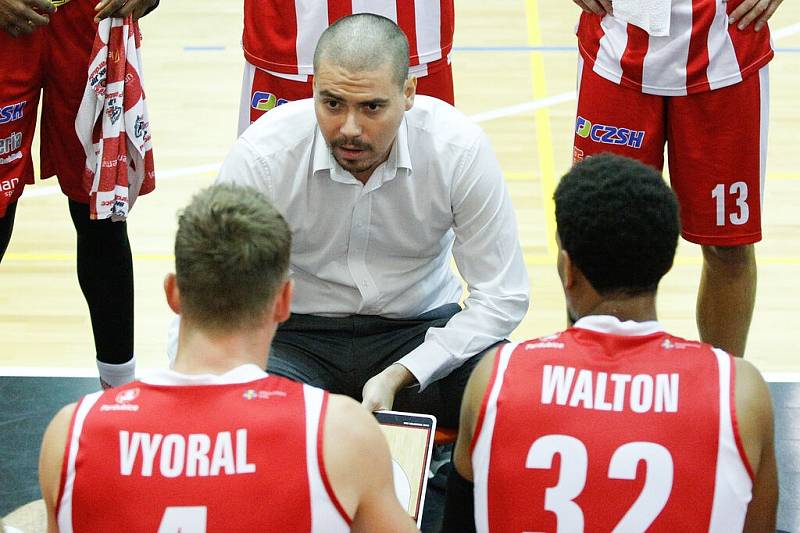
{"x": 348, "y": 420}
{"x": 284, "y": 126}
{"x": 435, "y": 121}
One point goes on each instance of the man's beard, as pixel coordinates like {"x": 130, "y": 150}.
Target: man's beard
{"x": 351, "y": 165}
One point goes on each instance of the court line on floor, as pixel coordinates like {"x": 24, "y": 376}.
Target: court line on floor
{"x": 62, "y": 372}
{"x": 544, "y": 135}
{"x": 172, "y": 173}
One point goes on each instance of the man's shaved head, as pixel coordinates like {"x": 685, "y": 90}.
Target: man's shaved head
{"x": 364, "y": 42}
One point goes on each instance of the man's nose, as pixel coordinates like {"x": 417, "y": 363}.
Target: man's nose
{"x": 351, "y": 126}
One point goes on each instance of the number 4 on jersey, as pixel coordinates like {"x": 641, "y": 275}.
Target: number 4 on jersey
{"x": 183, "y": 520}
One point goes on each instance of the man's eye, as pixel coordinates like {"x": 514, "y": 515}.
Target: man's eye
{"x": 333, "y": 104}
{"x": 373, "y": 107}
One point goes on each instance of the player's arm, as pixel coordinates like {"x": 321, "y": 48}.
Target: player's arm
{"x": 358, "y": 464}
{"x": 21, "y": 17}
{"x": 459, "y": 509}
{"x": 755, "y": 420}
{"x": 51, "y": 459}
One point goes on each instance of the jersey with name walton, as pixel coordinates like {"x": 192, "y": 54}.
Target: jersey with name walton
{"x": 222, "y": 457}
{"x": 597, "y": 431}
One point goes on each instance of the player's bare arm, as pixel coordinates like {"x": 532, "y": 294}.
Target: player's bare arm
{"x": 758, "y": 11}
{"x": 123, "y": 8}
{"x": 358, "y": 464}
{"x": 470, "y": 409}
{"x": 22, "y": 17}
{"x": 379, "y": 391}
{"x": 598, "y": 7}
{"x": 754, "y": 414}
{"x": 50, "y": 461}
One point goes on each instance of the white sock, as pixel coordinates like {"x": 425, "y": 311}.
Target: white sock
{"x": 116, "y": 375}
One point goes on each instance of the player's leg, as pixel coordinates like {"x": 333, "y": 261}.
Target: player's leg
{"x": 717, "y": 160}
{"x": 314, "y": 350}
{"x": 438, "y": 82}
{"x": 7, "y": 227}
{"x": 613, "y": 118}
{"x": 20, "y": 84}
{"x": 104, "y": 263}
{"x": 105, "y": 275}
{"x": 262, "y": 91}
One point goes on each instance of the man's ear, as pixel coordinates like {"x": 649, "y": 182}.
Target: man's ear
{"x": 282, "y": 307}
{"x": 568, "y": 274}
{"x": 172, "y": 293}
{"x": 409, "y": 91}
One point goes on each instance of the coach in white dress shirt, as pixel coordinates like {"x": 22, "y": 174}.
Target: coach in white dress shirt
{"x": 379, "y": 188}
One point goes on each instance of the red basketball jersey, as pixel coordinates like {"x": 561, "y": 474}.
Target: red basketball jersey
{"x": 610, "y": 426}
{"x": 178, "y": 453}
{"x": 702, "y": 52}
{"x": 280, "y": 36}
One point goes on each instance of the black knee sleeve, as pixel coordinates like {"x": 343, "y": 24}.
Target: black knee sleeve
{"x": 105, "y": 275}
{"x": 6, "y": 227}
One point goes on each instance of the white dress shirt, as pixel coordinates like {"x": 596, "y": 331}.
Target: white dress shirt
{"x": 383, "y": 248}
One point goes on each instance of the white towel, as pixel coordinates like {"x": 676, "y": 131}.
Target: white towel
{"x": 112, "y": 122}
{"x": 650, "y": 15}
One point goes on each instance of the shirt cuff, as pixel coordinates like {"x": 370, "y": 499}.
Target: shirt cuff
{"x": 429, "y": 362}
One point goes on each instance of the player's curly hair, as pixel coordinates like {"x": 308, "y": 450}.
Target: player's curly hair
{"x": 618, "y": 221}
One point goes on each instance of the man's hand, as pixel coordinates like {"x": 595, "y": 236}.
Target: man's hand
{"x": 379, "y": 391}
{"x": 123, "y": 8}
{"x": 753, "y": 10}
{"x": 21, "y": 17}
{"x": 598, "y": 7}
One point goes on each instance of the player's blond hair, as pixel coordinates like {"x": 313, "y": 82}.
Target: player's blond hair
{"x": 231, "y": 257}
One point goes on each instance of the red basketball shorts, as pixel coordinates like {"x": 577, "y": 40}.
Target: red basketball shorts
{"x": 716, "y": 145}
{"x": 262, "y": 90}
{"x": 51, "y": 61}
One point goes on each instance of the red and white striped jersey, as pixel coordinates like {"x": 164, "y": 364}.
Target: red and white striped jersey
{"x": 280, "y": 35}
{"x": 703, "y": 52}
{"x": 642, "y": 425}
{"x": 238, "y": 452}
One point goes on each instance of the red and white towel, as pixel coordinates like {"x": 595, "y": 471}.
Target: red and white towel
{"x": 112, "y": 123}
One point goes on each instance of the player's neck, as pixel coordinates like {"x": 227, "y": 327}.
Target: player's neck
{"x": 217, "y": 353}
{"x": 639, "y": 308}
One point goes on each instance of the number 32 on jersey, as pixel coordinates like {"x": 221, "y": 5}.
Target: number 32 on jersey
{"x": 572, "y": 478}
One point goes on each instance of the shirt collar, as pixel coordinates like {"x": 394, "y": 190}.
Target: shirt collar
{"x": 614, "y": 326}
{"x": 240, "y": 374}
{"x": 399, "y": 157}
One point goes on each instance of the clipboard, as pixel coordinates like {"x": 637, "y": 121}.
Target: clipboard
{"x": 410, "y": 438}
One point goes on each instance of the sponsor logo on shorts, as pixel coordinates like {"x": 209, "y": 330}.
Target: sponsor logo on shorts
{"x": 10, "y": 159}
{"x": 7, "y": 186}
{"x": 11, "y": 143}
{"x": 12, "y": 112}
{"x": 265, "y": 101}
{"x": 603, "y": 133}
